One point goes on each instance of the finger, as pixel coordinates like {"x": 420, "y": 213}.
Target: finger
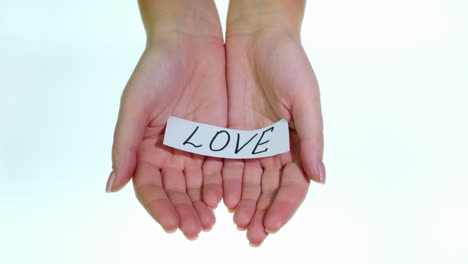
{"x": 174, "y": 184}
{"x": 151, "y": 194}
{"x": 212, "y": 182}
{"x": 128, "y": 135}
{"x": 270, "y": 182}
{"x": 293, "y": 190}
{"x": 308, "y": 122}
{"x": 232, "y": 182}
{"x": 193, "y": 179}
{"x": 251, "y": 190}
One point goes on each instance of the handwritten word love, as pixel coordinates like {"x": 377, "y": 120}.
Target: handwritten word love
{"x": 209, "y": 140}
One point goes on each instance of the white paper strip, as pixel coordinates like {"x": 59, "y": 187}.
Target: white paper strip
{"x": 214, "y": 141}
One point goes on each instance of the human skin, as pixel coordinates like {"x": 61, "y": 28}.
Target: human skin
{"x": 181, "y": 73}
{"x": 270, "y": 78}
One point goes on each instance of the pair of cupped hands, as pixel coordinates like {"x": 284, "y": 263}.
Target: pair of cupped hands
{"x": 251, "y": 80}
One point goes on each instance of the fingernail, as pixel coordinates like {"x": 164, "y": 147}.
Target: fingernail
{"x": 192, "y": 238}
{"x": 110, "y": 182}
{"x": 254, "y": 245}
{"x": 322, "y": 172}
{"x": 170, "y": 231}
{"x": 241, "y": 228}
{"x": 231, "y": 210}
{"x": 270, "y": 231}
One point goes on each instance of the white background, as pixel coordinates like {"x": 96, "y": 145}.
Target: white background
{"x": 394, "y": 86}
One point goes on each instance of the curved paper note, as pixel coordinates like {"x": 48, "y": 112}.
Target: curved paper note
{"x": 214, "y": 141}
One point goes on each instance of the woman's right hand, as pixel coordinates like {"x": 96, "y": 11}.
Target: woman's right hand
{"x": 182, "y": 74}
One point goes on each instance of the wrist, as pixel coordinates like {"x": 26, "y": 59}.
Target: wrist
{"x": 251, "y": 16}
{"x": 164, "y": 18}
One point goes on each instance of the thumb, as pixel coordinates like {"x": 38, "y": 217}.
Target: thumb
{"x": 128, "y": 135}
{"x": 308, "y": 122}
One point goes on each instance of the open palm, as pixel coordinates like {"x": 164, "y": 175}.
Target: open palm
{"x": 182, "y": 76}
{"x": 269, "y": 78}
